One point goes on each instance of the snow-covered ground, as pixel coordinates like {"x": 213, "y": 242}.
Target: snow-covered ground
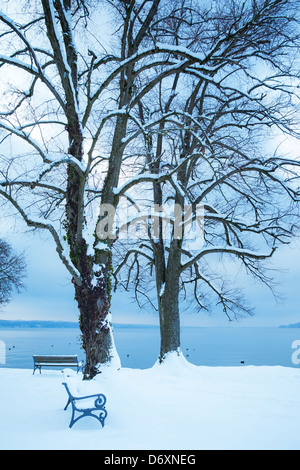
{"x": 175, "y": 406}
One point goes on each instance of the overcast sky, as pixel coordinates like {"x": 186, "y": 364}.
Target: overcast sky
{"x": 49, "y": 294}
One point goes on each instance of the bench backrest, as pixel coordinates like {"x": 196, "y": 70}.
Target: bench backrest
{"x": 56, "y": 359}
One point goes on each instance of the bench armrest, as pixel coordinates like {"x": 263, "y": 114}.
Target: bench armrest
{"x": 98, "y": 396}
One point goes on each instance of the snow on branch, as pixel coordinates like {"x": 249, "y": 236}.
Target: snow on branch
{"x": 188, "y": 58}
{"x": 32, "y": 184}
{"x": 264, "y": 168}
{"x": 156, "y": 178}
{"x": 36, "y": 72}
{"x": 240, "y": 252}
{"x": 23, "y": 135}
{"x": 52, "y": 159}
{"x": 9, "y": 22}
{"x": 45, "y": 225}
{"x": 63, "y": 60}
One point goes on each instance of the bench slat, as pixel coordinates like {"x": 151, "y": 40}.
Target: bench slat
{"x": 59, "y": 359}
{"x": 55, "y": 360}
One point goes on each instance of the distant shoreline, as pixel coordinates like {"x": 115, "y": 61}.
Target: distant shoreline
{"x": 57, "y": 324}
{"x": 9, "y": 324}
{"x": 37, "y": 324}
{"x": 292, "y": 325}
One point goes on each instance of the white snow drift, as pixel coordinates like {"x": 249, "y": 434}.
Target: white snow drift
{"x": 175, "y": 406}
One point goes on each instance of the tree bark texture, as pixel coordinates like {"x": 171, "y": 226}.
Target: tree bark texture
{"x": 168, "y": 306}
{"x": 94, "y": 306}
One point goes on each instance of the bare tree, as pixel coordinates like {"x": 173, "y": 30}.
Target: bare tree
{"x": 57, "y": 104}
{"x": 70, "y": 119}
{"x": 211, "y": 148}
{"x": 12, "y": 272}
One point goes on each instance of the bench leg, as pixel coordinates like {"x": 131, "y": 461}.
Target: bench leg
{"x": 36, "y": 367}
{"x": 101, "y": 417}
{"x": 69, "y": 401}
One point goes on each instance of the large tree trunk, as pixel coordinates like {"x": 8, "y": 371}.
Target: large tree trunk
{"x": 169, "y": 323}
{"x": 96, "y": 330}
{"x": 94, "y": 298}
{"x": 93, "y": 283}
{"x": 168, "y": 304}
{"x": 93, "y": 295}
{"x": 93, "y": 292}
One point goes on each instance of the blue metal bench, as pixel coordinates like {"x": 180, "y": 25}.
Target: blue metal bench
{"x": 87, "y": 406}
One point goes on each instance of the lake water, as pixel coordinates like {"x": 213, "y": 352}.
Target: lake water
{"x": 138, "y": 346}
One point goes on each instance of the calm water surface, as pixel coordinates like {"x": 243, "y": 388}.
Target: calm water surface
{"x": 138, "y": 346}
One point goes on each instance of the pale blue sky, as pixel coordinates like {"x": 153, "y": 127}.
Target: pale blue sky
{"x": 50, "y": 296}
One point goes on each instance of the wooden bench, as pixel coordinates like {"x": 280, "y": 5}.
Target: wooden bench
{"x": 86, "y": 405}
{"x": 56, "y": 361}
